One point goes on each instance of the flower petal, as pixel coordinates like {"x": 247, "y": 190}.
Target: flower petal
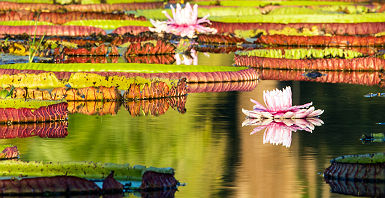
{"x": 316, "y": 113}
{"x": 258, "y": 105}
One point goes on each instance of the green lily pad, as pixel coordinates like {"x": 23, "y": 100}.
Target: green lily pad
{"x": 21, "y": 23}
{"x": 109, "y": 24}
{"x": 304, "y": 18}
{"x": 362, "y": 159}
{"x": 302, "y": 53}
{"x": 249, "y": 3}
{"x": 119, "y": 67}
{"x": 23, "y": 103}
{"x": 89, "y": 170}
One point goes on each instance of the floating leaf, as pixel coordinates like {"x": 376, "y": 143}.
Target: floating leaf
{"x": 90, "y": 170}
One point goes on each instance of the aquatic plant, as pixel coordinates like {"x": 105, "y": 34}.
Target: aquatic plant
{"x": 82, "y": 94}
{"x": 72, "y": 185}
{"x": 90, "y": 59}
{"x": 149, "y": 48}
{"x": 151, "y": 59}
{"x": 353, "y": 77}
{"x": 354, "y": 64}
{"x": 23, "y": 103}
{"x": 101, "y": 50}
{"x": 38, "y": 178}
{"x": 352, "y": 40}
{"x": 310, "y": 59}
{"x": 279, "y": 106}
{"x": 220, "y": 39}
{"x": 111, "y": 8}
{"x": 138, "y": 89}
{"x": 222, "y": 87}
{"x": 56, "y": 185}
{"x": 373, "y": 138}
{"x": 362, "y": 158}
{"x": 24, "y": 22}
{"x": 363, "y": 167}
{"x": 109, "y": 24}
{"x": 133, "y": 30}
{"x": 279, "y": 131}
{"x": 34, "y": 47}
{"x": 61, "y": 18}
{"x": 302, "y": 53}
{"x": 300, "y": 29}
{"x": 49, "y": 76}
{"x": 304, "y": 18}
{"x": 8, "y": 152}
{"x": 105, "y": 8}
{"x": 263, "y": 3}
{"x": 305, "y": 33}
{"x": 120, "y": 68}
{"x": 50, "y": 30}
{"x": 89, "y": 170}
{"x": 185, "y": 22}
{"x": 22, "y": 111}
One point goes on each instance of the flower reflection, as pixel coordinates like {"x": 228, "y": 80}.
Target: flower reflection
{"x": 279, "y": 131}
{"x": 279, "y": 105}
{"x": 191, "y": 59}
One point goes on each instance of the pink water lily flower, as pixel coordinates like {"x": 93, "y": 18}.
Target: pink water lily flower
{"x": 280, "y": 131}
{"x": 279, "y": 106}
{"x": 185, "y": 22}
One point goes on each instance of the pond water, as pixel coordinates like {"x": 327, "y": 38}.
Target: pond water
{"x": 210, "y": 150}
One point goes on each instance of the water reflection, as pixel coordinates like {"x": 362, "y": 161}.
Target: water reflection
{"x": 34, "y": 178}
{"x": 358, "y": 175}
{"x": 279, "y": 131}
{"x": 135, "y": 107}
{"x": 8, "y": 152}
{"x": 313, "y": 74}
{"x": 373, "y": 138}
{"x": 352, "y": 77}
{"x": 151, "y": 59}
{"x": 43, "y": 130}
{"x": 356, "y": 188}
{"x": 190, "y": 58}
{"x": 370, "y": 95}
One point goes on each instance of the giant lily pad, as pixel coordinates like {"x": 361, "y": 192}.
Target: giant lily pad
{"x": 21, "y": 111}
{"x": 109, "y": 24}
{"x": 364, "y": 167}
{"x": 266, "y": 3}
{"x": 31, "y": 23}
{"x": 304, "y": 18}
{"x": 302, "y": 53}
{"x": 120, "y": 67}
{"x": 91, "y": 170}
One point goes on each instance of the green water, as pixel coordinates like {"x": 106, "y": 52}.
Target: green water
{"x": 210, "y": 151}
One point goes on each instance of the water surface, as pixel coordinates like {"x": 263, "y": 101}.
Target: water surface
{"x": 212, "y": 153}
